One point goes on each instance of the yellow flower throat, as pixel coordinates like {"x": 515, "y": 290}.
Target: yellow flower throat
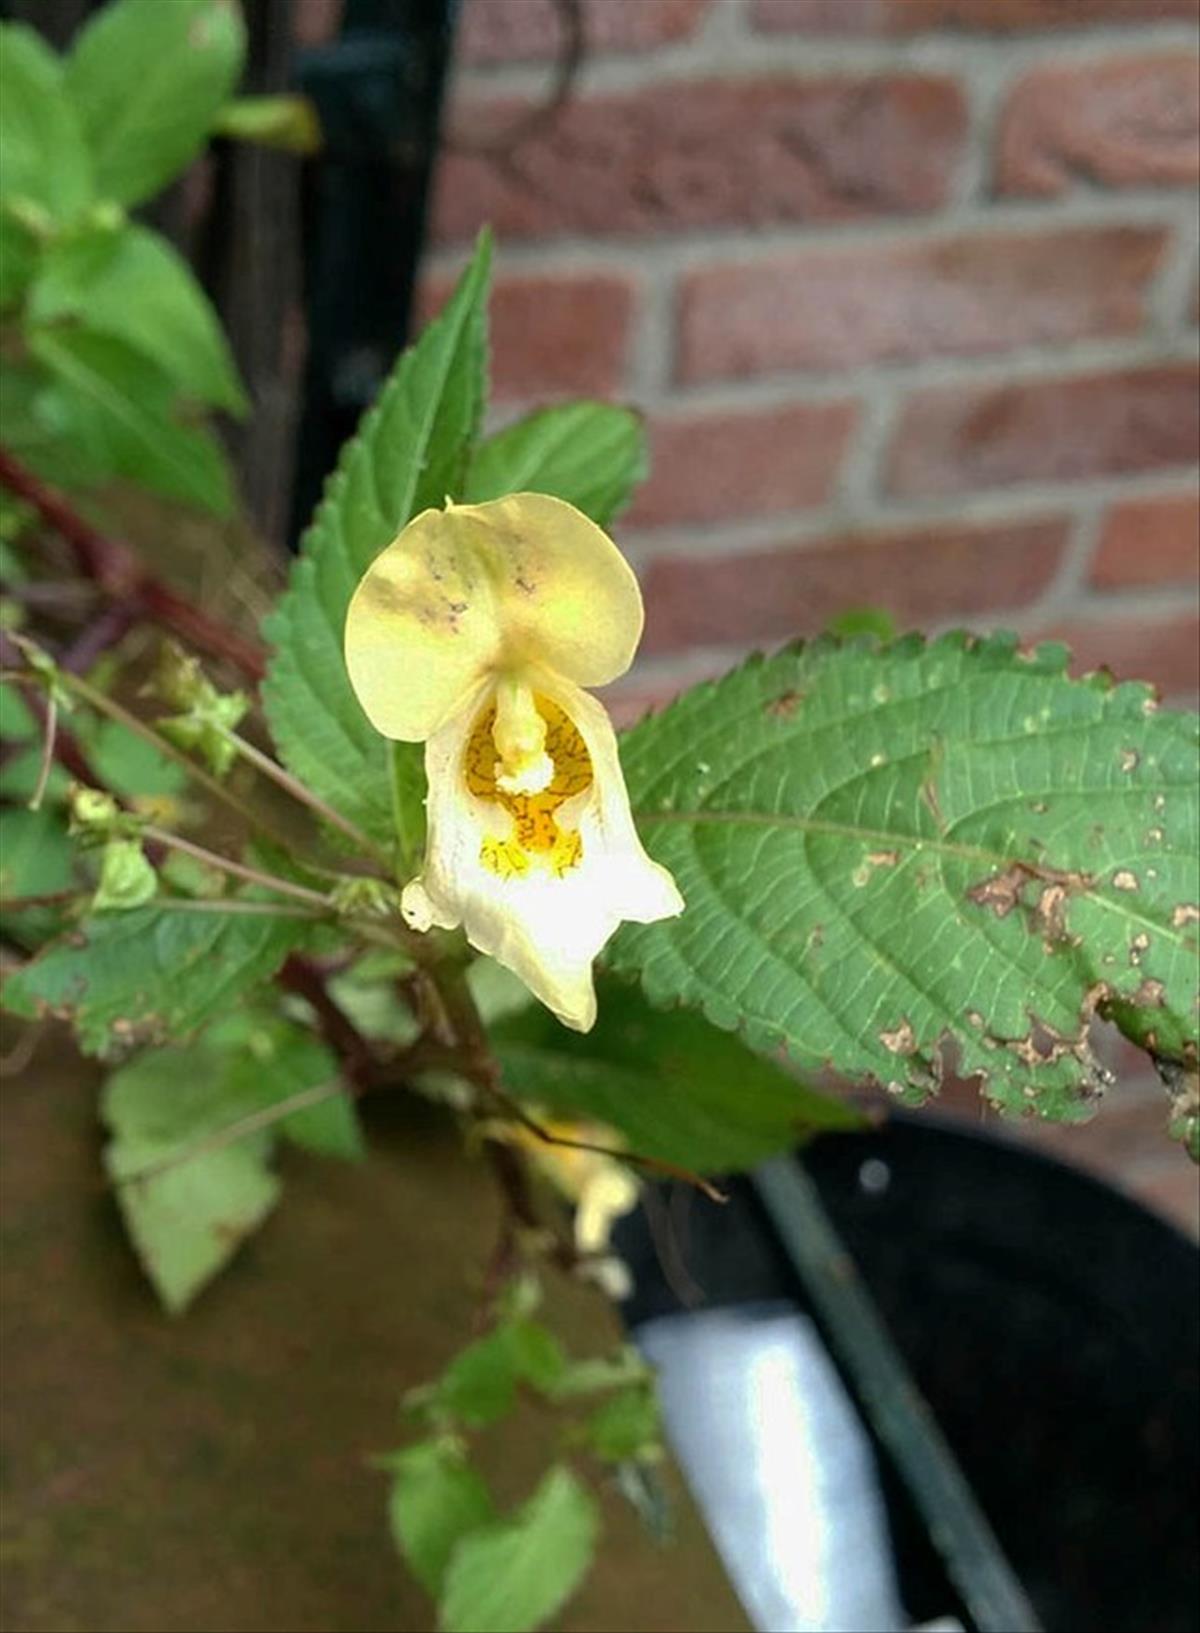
{"x": 536, "y": 838}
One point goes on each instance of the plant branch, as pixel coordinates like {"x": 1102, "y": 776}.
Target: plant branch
{"x": 49, "y": 734}
{"x": 251, "y": 1123}
{"x": 115, "y": 569}
{"x": 305, "y": 795}
{"x": 359, "y": 1061}
{"x": 238, "y": 870}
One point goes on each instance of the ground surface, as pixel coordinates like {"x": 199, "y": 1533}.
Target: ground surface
{"x": 209, "y": 1473}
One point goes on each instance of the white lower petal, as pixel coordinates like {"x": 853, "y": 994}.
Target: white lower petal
{"x": 544, "y": 927}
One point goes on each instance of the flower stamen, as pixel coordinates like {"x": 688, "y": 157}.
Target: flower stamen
{"x": 537, "y": 837}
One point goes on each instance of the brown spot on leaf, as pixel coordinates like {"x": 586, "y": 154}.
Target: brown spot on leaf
{"x": 1130, "y": 759}
{"x": 1150, "y": 995}
{"x": 929, "y": 799}
{"x": 1185, "y": 913}
{"x": 902, "y": 1041}
{"x": 785, "y": 705}
{"x": 883, "y": 859}
{"x": 1125, "y": 880}
{"x": 1003, "y": 892}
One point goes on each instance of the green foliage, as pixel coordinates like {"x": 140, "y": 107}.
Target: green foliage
{"x": 127, "y": 879}
{"x": 124, "y": 762}
{"x": 47, "y": 172}
{"x": 517, "y": 1573}
{"x": 627, "y": 1427}
{"x": 207, "y": 716}
{"x": 130, "y": 284}
{"x": 270, "y": 1060}
{"x": 409, "y": 453}
{"x": 149, "y": 80}
{"x": 437, "y": 1498}
{"x": 156, "y": 972}
{"x": 114, "y": 325}
{"x": 119, "y": 405}
{"x": 192, "y": 1134}
{"x": 591, "y": 454}
{"x": 286, "y": 122}
{"x": 480, "y": 1384}
{"x": 675, "y": 1086}
{"x": 882, "y": 851}
{"x": 36, "y": 859}
{"x": 187, "y": 1214}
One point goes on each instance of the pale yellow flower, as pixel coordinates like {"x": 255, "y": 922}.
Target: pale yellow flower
{"x": 601, "y": 1188}
{"x": 475, "y": 632}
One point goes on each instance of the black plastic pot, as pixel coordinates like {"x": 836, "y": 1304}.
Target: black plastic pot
{"x": 1052, "y": 1324}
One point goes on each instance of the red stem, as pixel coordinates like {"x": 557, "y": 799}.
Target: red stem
{"x": 112, "y": 565}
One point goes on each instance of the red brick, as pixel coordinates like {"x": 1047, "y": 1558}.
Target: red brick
{"x": 702, "y": 154}
{"x": 1163, "y": 650}
{"x": 889, "y": 17}
{"x": 922, "y": 576}
{"x": 554, "y": 335}
{"x": 707, "y": 466}
{"x": 824, "y": 309}
{"x": 315, "y": 22}
{"x": 953, "y": 439}
{"x": 1149, "y": 541}
{"x": 532, "y": 30}
{"x": 1133, "y": 122}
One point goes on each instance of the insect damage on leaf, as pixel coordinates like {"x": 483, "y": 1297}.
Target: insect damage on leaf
{"x": 1001, "y": 893}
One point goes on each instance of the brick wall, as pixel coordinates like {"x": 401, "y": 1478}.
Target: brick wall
{"x": 907, "y": 290}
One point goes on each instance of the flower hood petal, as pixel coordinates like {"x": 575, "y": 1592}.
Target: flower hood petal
{"x": 474, "y": 590}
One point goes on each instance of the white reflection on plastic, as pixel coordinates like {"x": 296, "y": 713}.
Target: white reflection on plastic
{"x": 779, "y": 1466}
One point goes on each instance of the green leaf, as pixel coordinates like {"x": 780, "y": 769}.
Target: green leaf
{"x": 276, "y": 1060}
{"x": 627, "y": 1426}
{"x": 17, "y": 724}
{"x": 131, "y": 284}
{"x": 881, "y": 851}
{"x": 286, "y": 122}
{"x": 158, "y": 971}
{"x": 876, "y": 621}
{"x": 55, "y": 437}
{"x": 36, "y": 859}
{"x": 538, "y": 1357}
{"x": 127, "y": 879}
{"x": 18, "y": 258}
{"x": 591, "y": 454}
{"x": 124, "y": 762}
{"x": 188, "y": 1213}
{"x": 45, "y": 159}
{"x": 516, "y": 1574}
{"x": 149, "y": 80}
{"x": 409, "y": 453}
{"x": 436, "y": 1499}
{"x": 128, "y": 402}
{"x": 674, "y": 1085}
{"x": 480, "y": 1383}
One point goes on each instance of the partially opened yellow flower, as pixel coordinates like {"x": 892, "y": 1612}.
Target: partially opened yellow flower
{"x": 475, "y": 632}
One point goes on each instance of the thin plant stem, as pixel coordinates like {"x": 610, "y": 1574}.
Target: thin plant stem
{"x": 105, "y": 705}
{"x": 301, "y": 792}
{"x": 239, "y": 1129}
{"x": 238, "y": 870}
{"x": 481, "y": 1067}
{"x": 899, "y": 1413}
{"x": 49, "y": 898}
{"x": 226, "y": 905}
{"x": 49, "y": 734}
